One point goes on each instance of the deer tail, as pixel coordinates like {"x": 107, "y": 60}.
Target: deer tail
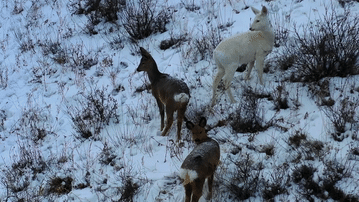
{"x": 182, "y": 97}
{"x": 188, "y": 176}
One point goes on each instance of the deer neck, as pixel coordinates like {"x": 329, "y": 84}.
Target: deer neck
{"x": 268, "y": 33}
{"x": 204, "y": 140}
{"x": 154, "y": 74}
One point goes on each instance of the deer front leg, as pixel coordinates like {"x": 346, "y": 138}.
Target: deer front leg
{"x": 162, "y": 112}
{"x": 249, "y": 69}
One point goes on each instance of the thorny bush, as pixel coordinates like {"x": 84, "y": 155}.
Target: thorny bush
{"x": 327, "y": 48}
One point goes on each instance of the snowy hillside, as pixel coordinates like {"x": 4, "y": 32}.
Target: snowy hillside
{"x": 78, "y": 123}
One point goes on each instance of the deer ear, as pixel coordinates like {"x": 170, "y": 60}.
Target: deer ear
{"x": 202, "y": 122}
{"x": 264, "y": 10}
{"x": 255, "y": 11}
{"x": 144, "y": 53}
{"x": 189, "y": 125}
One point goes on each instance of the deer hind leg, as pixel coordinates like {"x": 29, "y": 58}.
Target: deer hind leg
{"x": 188, "y": 190}
{"x": 169, "y": 121}
{"x": 162, "y": 112}
{"x": 210, "y": 183}
{"x": 180, "y": 116}
{"x": 228, "y": 79}
{"x": 216, "y": 81}
{"x": 197, "y": 189}
{"x": 250, "y": 67}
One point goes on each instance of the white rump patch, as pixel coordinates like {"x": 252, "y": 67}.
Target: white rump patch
{"x": 188, "y": 175}
{"x": 182, "y": 97}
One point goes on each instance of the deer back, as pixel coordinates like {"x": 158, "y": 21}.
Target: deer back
{"x": 203, "y": 159}
{"x": 169, "y": 89}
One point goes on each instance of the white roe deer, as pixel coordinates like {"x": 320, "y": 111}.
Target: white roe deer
{"x": 200, "y": 164}
{"x": 243, "y": 48}
{"x": 171, "y": 94}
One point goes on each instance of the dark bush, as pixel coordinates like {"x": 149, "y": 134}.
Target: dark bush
{"x": 78, "y": 59}
{"x": 303, "y": 172}
{"x": 107, "y": 156}
{"x": 341, "y": 115}
{"x": 140, "y": 20}
{"x": 278, "y": 183}
{"x": 280, "y": 98}
{"x": 205, "y": 45}
{"x": 343, "y": 2}
{"x": 100, "y": 9}
{"x": 34, "y": 123}
{"x": 304, "y": 148}
{"x": 303, "y": 176}
{"x": 24, "y": 40}
{"x": 272, "y": 190}
{"x": 128, "y": 190}
{"x": 297, "y": 138}
{"x": 54, "y": 50}
{"x": 4, "y": 78}
{"x": 245, "y": 178}
{"x": 321, "y": 91}
{"x": 192, "y": 7}
{"x": 327, "y": 48}
{"x": 334, "y": 172}
{"x": 94, "y": 109}
{"x": 173, "y": 41}
{"x": 60, "y": 185}
{"x": 248, "y": 117}
{"x": 74, "y": 56}
{"x": 281, "y": 31}
{"x": 18, "y": 177}
{"x": 326, "y": 189}
{"x": 117, "y": 42}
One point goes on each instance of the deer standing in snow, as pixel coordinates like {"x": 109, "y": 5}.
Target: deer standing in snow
{"x": 171, "y": 94}
{"x": 200, "y": 164}
{"x": 243, "y": 48}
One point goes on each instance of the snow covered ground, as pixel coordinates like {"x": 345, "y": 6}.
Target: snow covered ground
{"x": 52, "y": 69}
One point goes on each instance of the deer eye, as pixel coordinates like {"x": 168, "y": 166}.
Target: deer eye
{"x": 257, "y": 21}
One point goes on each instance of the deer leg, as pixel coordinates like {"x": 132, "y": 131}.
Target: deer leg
{"x": 259, "y": 67}
{"x": 250, "y": 67}
{"x": 216, "y": 81}
{"x": 169, "y": 114}
{"x": 228, "y": 79}
{"x": 162, "y": 112}
{"x": 188, "y": 190}
{"x": 197, "y": 189}
{"x": 210, "y": 183}
{"x": 180, "y": 116}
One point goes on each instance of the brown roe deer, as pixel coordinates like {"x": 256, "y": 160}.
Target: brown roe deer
{"x": 171, "y": 94}
{"x": 200, "y": 164}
